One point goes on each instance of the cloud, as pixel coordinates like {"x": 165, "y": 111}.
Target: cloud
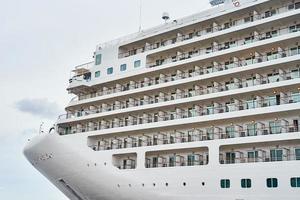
{"x": 38, "y": 107}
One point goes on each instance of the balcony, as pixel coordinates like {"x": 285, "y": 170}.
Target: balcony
{"x": 266, "y": 152}
{"x": 125, "y": 161}
{"x": 229, "y": 131}
{"x": 217, "y": 87}
{"x": 177, "y": 158}
{"x": 217, "y": 47}
{"x": 82, "y": 73}
{"x": 182, "y": 113}
{"x": 196, "y": 72}
{"x": 206, "y": 32}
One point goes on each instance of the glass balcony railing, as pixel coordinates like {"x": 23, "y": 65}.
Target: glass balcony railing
{"x": 193, "y": 73}
{"x": 220, "y": 47}
{"x": 194, "y": 135}
{"x": 196, "y": 111}
{"x": 207, "y": 31}
{"x": 221, "y": 87}
{"x": 242, "y": 156}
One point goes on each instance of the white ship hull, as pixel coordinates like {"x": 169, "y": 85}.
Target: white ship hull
{"x": 200, "y": 108}
{"x": 70, "y": 160}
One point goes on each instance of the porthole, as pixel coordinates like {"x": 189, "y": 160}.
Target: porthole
{"x": 203, "y": 183}
{"x": 184, "y": 183}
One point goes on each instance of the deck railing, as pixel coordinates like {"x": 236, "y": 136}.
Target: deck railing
{"x": 190, "y": 136}
{"x": 221, "y": 87}
{"x": 207, "y": 31}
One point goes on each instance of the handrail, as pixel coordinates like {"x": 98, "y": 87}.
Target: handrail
{"x": 214, "y": 89}
{"x": 168, "y": 116}
{"x": 188, "y": 137}
{"x": 206, "y": 31}
{"x": 200, "y": 72}
{"x": 219, "y": 47}
{"x": 265, "y": 158}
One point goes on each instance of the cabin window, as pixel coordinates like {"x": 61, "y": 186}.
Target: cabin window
{"x": 137, "y": 63}
{"x": 297, "y": 153}
{"x": 123, "y": 67}
{"x": 225, "y": 183}
{"x": 97, "y": 74}
{"x": 246, "y": 183}
{"x": 98, "y": 59}
{"x": 272, "y": 182}
{"x": 276, "y": 155}
{"x": 110, "y": 70}
{"x": 295, "y": 182}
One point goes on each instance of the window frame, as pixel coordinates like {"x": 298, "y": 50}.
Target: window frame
{"x": 97, "y": 74}
{"x": 123, "y": 67}
{"x": 137, "y": 63}
{"x": 246, "y": 183}
{"x": 295, "y": 182}
{"x": 108, "y": 70}
{"x": 98, "y": 59}
{"x": 270, "y": 182}
{"x": 225, "y": 183}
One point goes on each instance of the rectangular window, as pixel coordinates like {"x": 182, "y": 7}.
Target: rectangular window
{"x": 210, "y": 133}
{"x": 172, "y": 161}
{"x": 246, "y": 183}
{"x": 97, "y": 74}
{"x": 123, "y": 67}
{"x": 272, "y": 182}
{"x": 191, "y": 160}
{"x": 297, "y": 154}
{"x": 252, "y": 129}
{"x": 225, "y": 183}
{"x": 137, "y": 63}
{"x": 230, "y": 157}
{"x": 230, "y": 132}
{"x": 276, "y": 155}
{"x": 98, "y": 59}
{"x": 110, "y": 70}
{"x": 252, "y": 156}
{"x": 275, "y": 127}
{"x": 295, "y": 182}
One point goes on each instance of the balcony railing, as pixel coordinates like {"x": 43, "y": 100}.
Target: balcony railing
{"x": 82, "y": 72}
{"x": 194, "y": 73}
{"x": 181, "y": 162}
{"x": 263, "y": 158}
{"x": 207, "y": 31}
{"x": 221, "y": 47}
{"x": 183, "y": 114}
{"x": 192, "y": 93}
{"x": 191, "y": 136}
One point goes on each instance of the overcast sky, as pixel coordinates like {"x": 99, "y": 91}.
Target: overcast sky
{"x": 40, "y": 42}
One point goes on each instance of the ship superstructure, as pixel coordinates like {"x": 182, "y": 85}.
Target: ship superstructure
{"x": 204, "y": 107}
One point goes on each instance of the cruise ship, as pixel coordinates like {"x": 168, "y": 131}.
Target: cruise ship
{"x": 204, "y": 107}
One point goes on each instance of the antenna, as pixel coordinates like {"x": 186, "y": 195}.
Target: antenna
{"x": 165, "y": 16}
{"x": 140, "y": 22}
{"x": 41, "y": 128}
